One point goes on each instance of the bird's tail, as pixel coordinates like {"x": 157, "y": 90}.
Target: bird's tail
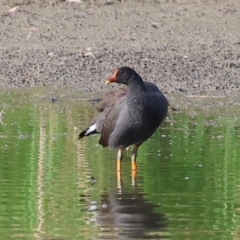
{"x": 82, "y": 134}
{"x": 88, "y": 131}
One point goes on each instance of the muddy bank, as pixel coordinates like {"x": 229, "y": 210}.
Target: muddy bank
{"x": 188, "y": 48}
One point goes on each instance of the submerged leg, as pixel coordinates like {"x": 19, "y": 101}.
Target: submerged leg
{"x": 127, "y": 150}
{"x": 119, "y": 159}
{"x": 134, "y": 176}
{"x": 134, "y": 158}
{"x": 119, "y": 180}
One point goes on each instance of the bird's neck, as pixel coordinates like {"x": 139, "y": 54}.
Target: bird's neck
{"x": 136, "y": 85}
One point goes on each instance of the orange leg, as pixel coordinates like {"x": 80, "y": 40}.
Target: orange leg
{"x": 119, "y": 159}
{"x": 134, "y": 158}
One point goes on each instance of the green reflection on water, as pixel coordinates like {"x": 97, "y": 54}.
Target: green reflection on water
{"x": 189, "y": 169}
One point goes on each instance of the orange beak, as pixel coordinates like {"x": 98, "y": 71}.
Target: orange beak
{"x": 113, "y": 78}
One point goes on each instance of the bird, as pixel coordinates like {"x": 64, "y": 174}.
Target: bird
{"x": 128, "y": 115}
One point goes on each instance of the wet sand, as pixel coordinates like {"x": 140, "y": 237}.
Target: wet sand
{"x": 185, "y": 47}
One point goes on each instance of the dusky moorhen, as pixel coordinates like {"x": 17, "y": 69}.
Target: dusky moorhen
{"x": 128, "y": 115}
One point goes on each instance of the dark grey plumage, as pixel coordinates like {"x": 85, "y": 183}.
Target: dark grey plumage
{"x": 129, "y": 115}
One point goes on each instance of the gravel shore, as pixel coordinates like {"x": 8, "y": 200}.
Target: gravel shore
{"x": 189, "y": 47}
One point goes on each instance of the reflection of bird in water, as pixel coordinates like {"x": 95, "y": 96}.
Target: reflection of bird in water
{"x": 125, "y": 214}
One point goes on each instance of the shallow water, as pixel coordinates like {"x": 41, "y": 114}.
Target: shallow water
{"x": 187, "y": 185}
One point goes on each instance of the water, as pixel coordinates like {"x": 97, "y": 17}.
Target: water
{"x": 187, "y": 185}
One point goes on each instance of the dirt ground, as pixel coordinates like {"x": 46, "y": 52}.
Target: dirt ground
{"x": 188, "y": 47}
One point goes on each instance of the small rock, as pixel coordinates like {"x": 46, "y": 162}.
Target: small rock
{"x": 88, "y": 49}
{"x": 89, "y": 54}
{"x": 74, "y": 1}
{"x": 12, "y": 10}
{"x": 51, "y": 54}
{"x": 155, "y": 24}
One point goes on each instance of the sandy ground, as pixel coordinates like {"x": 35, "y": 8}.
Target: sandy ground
{"x": 189, "y": 47}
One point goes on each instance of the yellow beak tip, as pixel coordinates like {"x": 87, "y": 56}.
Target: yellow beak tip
{"x": 107, "y": 82}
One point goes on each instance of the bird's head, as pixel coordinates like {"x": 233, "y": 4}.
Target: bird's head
{"x": 122, "y": 75}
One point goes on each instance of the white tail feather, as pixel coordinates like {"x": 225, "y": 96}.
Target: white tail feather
{"x": 91, "y": 129}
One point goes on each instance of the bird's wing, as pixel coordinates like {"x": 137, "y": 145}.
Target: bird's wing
{"x": 111, "y": 114}
{"x": 111, "y": 98}
{"x": 102, "y": 123}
